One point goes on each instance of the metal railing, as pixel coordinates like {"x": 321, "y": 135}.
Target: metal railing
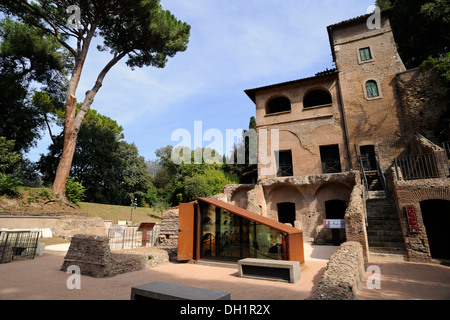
{"x": 18, "y": 245}
{"x": 421, "y": 166}
{"x": 381, "y": 177}
{"x": 285, "y": 171}
{"x": 365, "y": 189}
{"x": 130, "y": 238}
{"x": 331, "y": 166}
{"x": 446, "y": 146}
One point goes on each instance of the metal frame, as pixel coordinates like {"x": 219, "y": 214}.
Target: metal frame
{"x": 18, "y": 245}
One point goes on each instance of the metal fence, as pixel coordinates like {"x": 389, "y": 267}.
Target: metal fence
{"x": 421, "y": 166}
{"x": 18, "y": 245}
{"x": 130, "y": 238}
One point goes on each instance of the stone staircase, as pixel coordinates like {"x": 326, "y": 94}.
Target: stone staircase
{"x": 373, "y": 181}
{"x": 383, "y": 230}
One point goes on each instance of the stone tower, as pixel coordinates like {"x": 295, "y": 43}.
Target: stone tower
{"x": 367, "y": 60}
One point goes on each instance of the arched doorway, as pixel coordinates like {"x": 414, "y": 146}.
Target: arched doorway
{"x": 436, "y": 218}
{"x": 335, "y": 209}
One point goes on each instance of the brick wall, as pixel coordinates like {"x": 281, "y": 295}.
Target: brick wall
{"x": 412, "y": 193}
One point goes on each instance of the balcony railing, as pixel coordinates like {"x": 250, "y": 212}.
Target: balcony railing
{"x": 331, "y": 166}
{"x": 422, "y": 166}
{"x": 285, "y": 171}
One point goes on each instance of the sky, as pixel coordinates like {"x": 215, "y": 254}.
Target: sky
{"x": 234, "y": 46}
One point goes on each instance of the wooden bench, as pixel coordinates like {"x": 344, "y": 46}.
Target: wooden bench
{"x": 277, "y": 270}
{"x": 170, "y": 291}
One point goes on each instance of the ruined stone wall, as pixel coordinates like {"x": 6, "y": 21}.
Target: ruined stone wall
{"x": 343, "y": 275}
{"x": 67, "y": 227}
{"x": 168, "y": 234}
{"x": 412, "y": 193}
{"x": 91, "y": 254}
{"x": 355, "y": 220}
{"x": 421, "y": 101}
{"x": 94, "y": 258}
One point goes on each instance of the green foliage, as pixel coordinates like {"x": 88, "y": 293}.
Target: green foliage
{"x": 75, "y": 192}
{"x": 442, "y": 66}
{"x": 188, "y": 181}
{"x": 28, "y": 56}
{"x": 9, "y": 185}
{"x": 109, "y": 168}
{"x": 421, "y": 29}
{"x": 383, "y": 4}
{"x": 9, "y": 159}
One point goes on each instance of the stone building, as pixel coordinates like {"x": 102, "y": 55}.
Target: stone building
{"x": 349, "y": 149}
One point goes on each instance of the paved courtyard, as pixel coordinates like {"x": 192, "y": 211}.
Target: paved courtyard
{"x": 41, "y": 279}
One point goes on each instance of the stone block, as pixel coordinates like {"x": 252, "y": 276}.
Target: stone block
{"x": 170, "y": 291}
{"x": 277, "y": 270}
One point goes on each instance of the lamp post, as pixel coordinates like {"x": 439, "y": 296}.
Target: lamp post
{"x": 133, "y": 206}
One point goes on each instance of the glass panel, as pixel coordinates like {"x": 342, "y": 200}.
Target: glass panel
{"x": 229, "y": 237}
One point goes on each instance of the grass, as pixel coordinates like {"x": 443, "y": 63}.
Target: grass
{"x": 120, "y": 213}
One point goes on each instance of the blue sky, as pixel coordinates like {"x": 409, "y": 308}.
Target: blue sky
{"x": 234, "y": 45}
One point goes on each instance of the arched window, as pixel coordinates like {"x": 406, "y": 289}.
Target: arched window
{"x": 317, "y": 98}
{"x": 279, "y": 104}
{"x": 372, "y": 89}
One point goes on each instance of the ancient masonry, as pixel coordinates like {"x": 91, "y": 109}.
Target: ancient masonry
{"x": 92, "y": 255}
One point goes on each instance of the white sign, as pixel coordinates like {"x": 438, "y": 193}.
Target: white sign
{"x": 334, "y": 224}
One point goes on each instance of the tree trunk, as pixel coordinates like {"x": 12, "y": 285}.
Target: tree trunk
{"x": 70, "y": 139}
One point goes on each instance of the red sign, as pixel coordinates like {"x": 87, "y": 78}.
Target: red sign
{"x": 412, "y": 221}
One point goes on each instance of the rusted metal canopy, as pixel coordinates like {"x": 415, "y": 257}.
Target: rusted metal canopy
{"x": 146, "y": 226}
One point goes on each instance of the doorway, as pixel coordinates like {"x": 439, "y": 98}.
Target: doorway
{"x": 368, "y": 158}
{"x": 286, "y": 212}
{"x": 335, "y": 209}
{"x": 436, "y": 218}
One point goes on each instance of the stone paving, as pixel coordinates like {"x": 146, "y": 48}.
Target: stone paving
{"x": 41, "y": 279}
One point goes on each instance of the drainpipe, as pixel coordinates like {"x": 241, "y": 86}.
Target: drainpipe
{"x": 345, "y": 124}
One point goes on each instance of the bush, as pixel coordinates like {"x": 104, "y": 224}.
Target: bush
{"x": 9, "y": 185}
{"x": 75, "y": 192}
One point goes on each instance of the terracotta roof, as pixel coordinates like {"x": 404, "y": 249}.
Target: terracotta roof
{"x": 251, "y": 93}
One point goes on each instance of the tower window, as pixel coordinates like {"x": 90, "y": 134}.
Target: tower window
{"x": 365, "y": 54}
{"x": 372, "y": 89}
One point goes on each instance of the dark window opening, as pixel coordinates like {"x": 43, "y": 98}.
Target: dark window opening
{"x": 286, "y": 212}
{"x": 368, "y": 158}
{"x": 285, "y": 168}
{"x": 372, "y": 89}
{"x": 335, "y": 209}
{"x": 277, "y": 105}
{"x": 436, "y": 218}
{"x": 365, "y": 54}
{"x": 330, "y": 157}
{"x": 317, "y": 98}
